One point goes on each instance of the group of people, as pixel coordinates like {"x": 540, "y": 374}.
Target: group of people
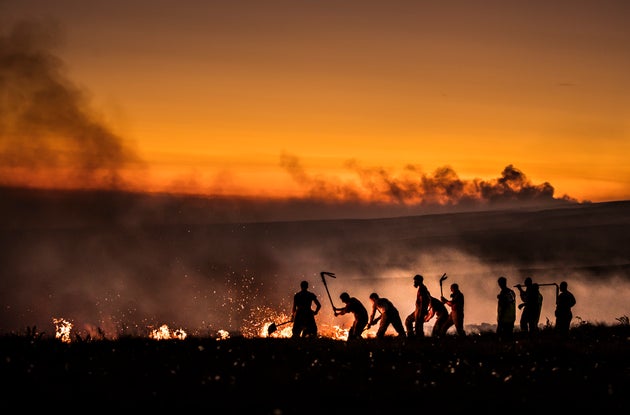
{"x": 428, "y": 307}
{"x": 530, "y": 307}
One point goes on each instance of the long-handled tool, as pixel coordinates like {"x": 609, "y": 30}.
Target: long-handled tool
{"x": 323, "y": 275}
{"x": 554, "y": 284}
{"x": 442, "y": 278}
{"x": 273, "y": 327}
{"x": 369, "y": 326}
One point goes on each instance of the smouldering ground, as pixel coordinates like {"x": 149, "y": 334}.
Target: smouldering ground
{"x": 590, "y": 371}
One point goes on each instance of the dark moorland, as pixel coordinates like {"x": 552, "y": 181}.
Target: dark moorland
{"x": 589, "y": 372}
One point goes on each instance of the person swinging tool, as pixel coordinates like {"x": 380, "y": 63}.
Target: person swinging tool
{"x": 358, "y": 310}
{"x": 389, "y": 315}
{"x": 439, "y": 311}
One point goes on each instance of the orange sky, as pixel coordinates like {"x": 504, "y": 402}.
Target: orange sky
{"x": 213, "y": 96}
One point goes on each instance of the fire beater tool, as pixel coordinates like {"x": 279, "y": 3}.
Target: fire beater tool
{"x": 552, "y": 283}
{"x": 542, "y": 285}
{"x": 369, "y": 326}
{"x": 323, "y": 275}
{"x": 273, "y": 327}
{"x": 442, "y": 278}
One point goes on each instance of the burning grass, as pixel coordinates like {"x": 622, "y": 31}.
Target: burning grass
{"x": 588, "y": 371}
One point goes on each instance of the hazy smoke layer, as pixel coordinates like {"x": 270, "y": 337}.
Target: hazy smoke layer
{"x": 125, "y": 263}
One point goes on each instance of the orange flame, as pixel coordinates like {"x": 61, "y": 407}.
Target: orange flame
{"x": 62, "y": 329}
{"x": 164, "y": 333}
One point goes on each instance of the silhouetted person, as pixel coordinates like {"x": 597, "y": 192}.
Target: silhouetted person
{"x": 531, "y": 306}
{"x": 439, "y": 311}
{"x": 358, "y": 310}
{"x": 302, "y": 314}
{"x": 414, "y": 322}
{"x": 506, "y": 310}
{"x": 456, "y": 317}
{"x": 389, "y": 315}
{"x": 564, "y": 302}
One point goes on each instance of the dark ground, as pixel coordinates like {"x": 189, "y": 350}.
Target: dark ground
{"x": 586, "y": 373}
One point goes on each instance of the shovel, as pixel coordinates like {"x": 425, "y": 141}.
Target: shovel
{"x": 273, "y": 327}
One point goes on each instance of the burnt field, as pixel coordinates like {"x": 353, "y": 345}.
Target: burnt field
{"x": 589, "y": 371}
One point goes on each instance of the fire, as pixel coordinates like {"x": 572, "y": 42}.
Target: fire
{"x": 254, "y": 327}
{"x": 164, "y": 333}
{"x": 335, "y": 332}
{"x": 284, "y": 329}
{"x": 62, "y": 329}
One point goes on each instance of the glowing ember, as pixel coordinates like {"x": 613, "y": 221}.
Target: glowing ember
{"x": 62, "y": 329}
{"x": 223, "y": 335}
{"x": 164, "y": 333}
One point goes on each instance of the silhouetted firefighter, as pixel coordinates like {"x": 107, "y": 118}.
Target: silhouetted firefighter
{"x": 564, "y": 302}
{"x": 302, "y": 314}
{"x": 358, "y": 310}
{"x": 531, "y": 305}
{"x": 506, "y": 310}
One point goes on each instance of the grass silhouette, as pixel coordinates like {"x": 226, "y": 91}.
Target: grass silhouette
{"x": 588, "y": 370}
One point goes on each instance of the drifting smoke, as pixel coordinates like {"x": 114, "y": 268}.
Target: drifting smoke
{"x": 47, "y": 134}
{"x": 412, "y": 187}
{"x": 49, "y": 138}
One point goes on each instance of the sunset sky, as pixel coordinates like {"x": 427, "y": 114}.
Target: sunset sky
{"x": 270, "y": 97}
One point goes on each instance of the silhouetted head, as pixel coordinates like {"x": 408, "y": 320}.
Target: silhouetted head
{"x": 528, "y": 281}
{"x": 304, "y": 285}
{"x": 563, "y": 286}
{"x": 373, "y": 296}
{"x": 344, "y": 297}
{"x": 502, "y": 282}
{"x": 417, "y": 280}
{"x": 454, "y": 287}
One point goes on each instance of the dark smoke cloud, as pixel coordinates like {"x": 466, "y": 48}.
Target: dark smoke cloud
{"x": 45, "y": 121}
{"x": 49, "y": 137}
{"x": 412, "y": 187}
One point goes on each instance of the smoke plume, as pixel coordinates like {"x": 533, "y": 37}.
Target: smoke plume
{"x": 413, "y": 187}
{"x": 48, "y": 134}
